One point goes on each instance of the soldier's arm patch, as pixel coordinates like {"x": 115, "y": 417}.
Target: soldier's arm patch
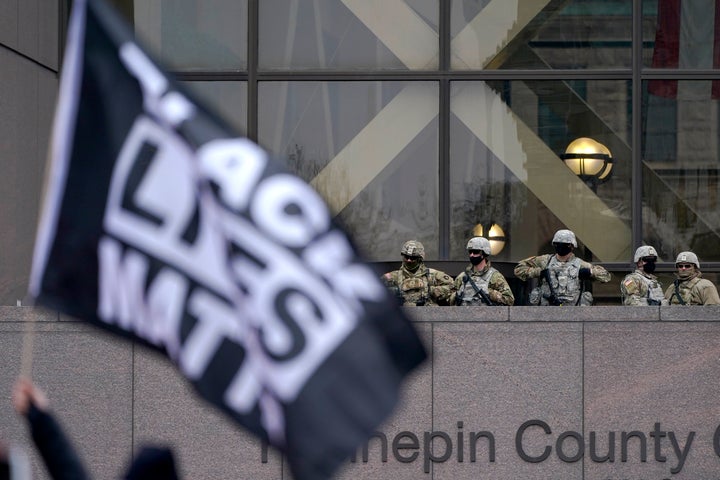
{"x": 630, "y": 286}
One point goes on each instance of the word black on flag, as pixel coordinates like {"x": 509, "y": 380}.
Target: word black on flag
{"x": 161, "y": 225}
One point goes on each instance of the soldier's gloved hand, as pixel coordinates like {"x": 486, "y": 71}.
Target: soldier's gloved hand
{"x": 542, "y": 273}
{"x": 495, "y": 296}
{"x": 585, "y": 274}
{"x": 437, "y": 292}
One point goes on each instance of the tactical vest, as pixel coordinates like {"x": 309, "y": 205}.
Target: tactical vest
{"x": 567, "y": 286}
{"x": 416, "y": 290}
{"x": 685, "y": 290}
{"x": 468, "y": 295}
{"x": 655, "y": 293}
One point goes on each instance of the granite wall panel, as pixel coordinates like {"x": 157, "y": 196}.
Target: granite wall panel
{"x": 534, "y": 393}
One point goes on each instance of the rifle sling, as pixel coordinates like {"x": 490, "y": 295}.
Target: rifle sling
{"x": 677, "y": 292}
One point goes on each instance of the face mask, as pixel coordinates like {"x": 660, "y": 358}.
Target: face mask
{"x": 649, "y": 267}
{"x": 476, "y": 259}
{"x": 563, "y": 249}
{"x": 412, "y": 265}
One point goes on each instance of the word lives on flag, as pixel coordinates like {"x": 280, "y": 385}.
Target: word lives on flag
{"x": 161, "y": 225}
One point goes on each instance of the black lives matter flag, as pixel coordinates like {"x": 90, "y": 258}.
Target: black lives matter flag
{"x": 161, "y": 225}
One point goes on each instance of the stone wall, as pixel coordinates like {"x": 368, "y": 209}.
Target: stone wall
{"x": 508, "y": 392}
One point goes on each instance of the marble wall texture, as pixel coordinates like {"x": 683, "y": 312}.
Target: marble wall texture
{"x": 508, "y": 392}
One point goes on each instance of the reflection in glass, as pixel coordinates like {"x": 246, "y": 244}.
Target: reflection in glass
{"x": 195, "y": 34}
{"x": 369, "y": 148}
{"x": 681, "y": 35}
{"x": 352, "y": 35}
{"x": 541, "y": 34}
{"x": 505, "y": 144}
{"x": 680, "y": 152}
{"x": 229, "y": 99}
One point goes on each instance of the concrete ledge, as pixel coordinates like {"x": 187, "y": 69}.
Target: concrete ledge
{"x": 584, "y": 314}
{"x": 27, "y": 314}
{"x": 696, "y": 313}
{"x": 458, "y": 314}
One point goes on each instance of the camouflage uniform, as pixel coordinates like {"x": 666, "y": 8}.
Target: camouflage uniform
{"x": 423, "y": 287}
{"x": 420, "y": 286}
{"x": 565, "y": 278}
{"x": 691, "y": 289}
{"x": 488, "y": 280}
{"x": 641, "y": 289}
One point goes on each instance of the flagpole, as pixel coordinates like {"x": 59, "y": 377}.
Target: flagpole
{"x": 26, "y": 358}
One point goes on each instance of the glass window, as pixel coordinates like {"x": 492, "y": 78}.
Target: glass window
{"x": 541, "y": 34}
{"x": 681, "y": 128}
{"x": 369, "y": 148}
{"x": 352, "y": 35}
{"x": 228, "y": 99}
{"x": 195, "y": 34}
{"x": 506, "y": 142}
{"x": 681, "y": 34}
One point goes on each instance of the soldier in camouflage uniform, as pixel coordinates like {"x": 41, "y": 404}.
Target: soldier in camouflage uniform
{"x": 642, "y": 288}
{"x": 480, "y": 283}
{"x": 689, "y": 288}
{"x": 414, "y": 284}
{"x": 561, "y": 274}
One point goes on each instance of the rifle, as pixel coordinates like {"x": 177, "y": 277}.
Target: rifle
{"x": 482, "y": 293}
{"x": 395, "y": 290}
{"x": 398, "y": 294}
{"x": 552, "y": 299}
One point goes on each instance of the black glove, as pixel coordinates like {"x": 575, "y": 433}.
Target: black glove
{"x": 585, "y": 274}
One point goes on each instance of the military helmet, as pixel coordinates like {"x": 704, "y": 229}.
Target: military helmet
{"x": 413, "y": 248}
{"x": 565, "y": 236}
{"x": 479, "y": 243}
{"x": 688, "y": 257}
{"x": 644, "y": 251}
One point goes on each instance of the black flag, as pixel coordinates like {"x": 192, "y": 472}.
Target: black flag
{"x": 160, "y": 224}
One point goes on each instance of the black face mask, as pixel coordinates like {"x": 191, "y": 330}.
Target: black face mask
{"x": 649, "y": 267}
{"x": 413, "y": 265}
{"x": 476, "y": 259}
{"x": 563, "y": 249}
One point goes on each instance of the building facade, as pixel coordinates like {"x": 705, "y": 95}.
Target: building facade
{"x": 428, "y": 119}
{"x": 434, "y": 120}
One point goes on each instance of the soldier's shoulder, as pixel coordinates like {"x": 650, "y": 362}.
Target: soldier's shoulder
{"x": 497, "y": 274}
{"x": 391, "y": 275}
{"x": 544, "y": 260}
{"x": 440, "y": 274}
{"x": 631, "y": 277}
{"x": 630, "y": 283}
{"x": 705, "y": 283}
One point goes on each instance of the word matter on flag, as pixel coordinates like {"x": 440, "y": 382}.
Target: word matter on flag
{"x": 163, "y": 226}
